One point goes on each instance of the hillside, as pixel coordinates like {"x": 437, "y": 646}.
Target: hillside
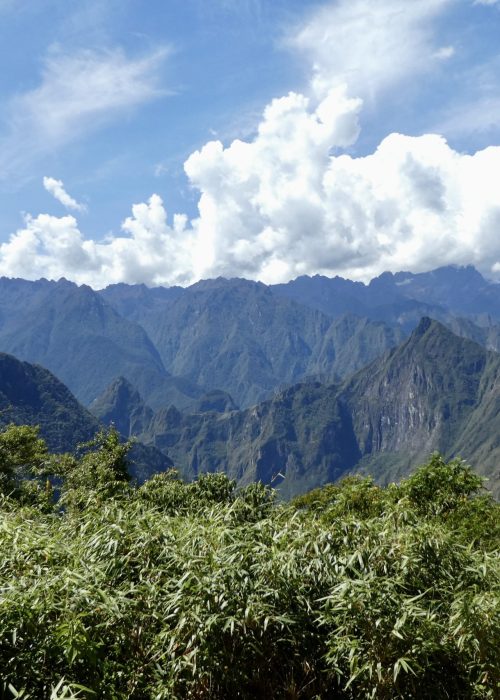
{"x": 73, "y": 332}
{"x": 240, "y": 337}
{"x": 31, "y": 395}
{"x": 435, "y": 391}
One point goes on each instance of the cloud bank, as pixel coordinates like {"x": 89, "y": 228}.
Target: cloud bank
{"x": 290, "y": 200}
{"x": 282, "y": 205}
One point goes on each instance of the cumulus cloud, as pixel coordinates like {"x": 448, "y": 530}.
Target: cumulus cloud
{"x": 277, "y": 209}
{"x": 53, "y": 247}
{"x": 290, "y": 200}
{"x": 283, "y": 204}
{"x": 56, "y": 189}
{"x": 78, "y": 93}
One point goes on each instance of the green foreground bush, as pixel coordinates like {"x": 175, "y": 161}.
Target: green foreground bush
{"x": 172, "y": 590}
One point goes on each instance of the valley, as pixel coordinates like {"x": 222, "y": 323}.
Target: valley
{"x": 294, "y": 385}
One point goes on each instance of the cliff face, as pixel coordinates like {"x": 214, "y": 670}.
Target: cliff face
{"x": 434, "y": 392}
{"x": 418, "y": 396}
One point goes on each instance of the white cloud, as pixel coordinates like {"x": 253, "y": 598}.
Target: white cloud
{"x": 289, "y": 201}
{"x": 282, "y": 205}
{"x": 56, "y": 189}
{"x": 371, "y": 46}
{"x": 54, "y": 247}
{"x": 274, "y": 209}
{"x": 78, "y": 93}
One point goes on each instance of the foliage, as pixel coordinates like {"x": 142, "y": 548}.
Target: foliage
{"x": 200, "y": 590}
{"x": 24, "y": 457}
{"x": 100, "y": 471}
{"x": 438, "y": 487}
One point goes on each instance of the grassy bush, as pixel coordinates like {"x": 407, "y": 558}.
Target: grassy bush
{"x": 197, "y": 590}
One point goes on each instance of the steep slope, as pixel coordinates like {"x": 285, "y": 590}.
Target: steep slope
{"x": 73, "y": 332}
{"x": 238, "y": 336}
{"x": 434, "y": 392}
{"x": 123, "y": 406}
{"x": 137, "y": 302}
{"x": 299, "y": 439}
{"x": 31, "y": 395}
{"x": 421, "y": 397}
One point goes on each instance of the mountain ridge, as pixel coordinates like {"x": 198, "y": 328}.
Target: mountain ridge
{"x": 427, "y": 394}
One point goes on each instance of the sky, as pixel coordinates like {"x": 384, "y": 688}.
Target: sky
{"x": 174, "y": 140}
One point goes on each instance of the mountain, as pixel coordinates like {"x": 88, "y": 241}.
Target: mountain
{"x": 380, "y": 300}
{"x": 250, "y": 339}
{"x": 399, "y": 298}
{"x": 139, "y": 303}
{"x": 435, "y": 391}
{"x": 73, "y": 332}
{"x": 239, "y": 337}
{"x": 232, "y": 336}
{"x": 31, "y": 395}
{"x": 424, "y": 396}
{"x": 123, "y": 406}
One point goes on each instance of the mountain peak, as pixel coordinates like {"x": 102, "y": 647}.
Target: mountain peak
{"x": 424, "y": 325}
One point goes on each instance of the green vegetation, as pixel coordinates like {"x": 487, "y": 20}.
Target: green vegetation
{"x": 200, "y": 590}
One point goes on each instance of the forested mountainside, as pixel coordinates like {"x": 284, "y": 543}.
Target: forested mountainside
{"x": 243, "y": 338}
{"x": 238, "y": 336}
{"x": 31, "y": 395}
{"x": 234, "y": 336}
{"x": 73, "y": 332}
{"x": 435, "y": 391}
{"x": 203, "y": 352}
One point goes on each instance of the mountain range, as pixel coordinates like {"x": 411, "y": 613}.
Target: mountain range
{"x": 435, "y": 391}
{"x": 293, "y": 384}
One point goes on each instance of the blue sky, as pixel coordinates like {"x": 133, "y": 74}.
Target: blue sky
{"x": 103, "y": 103}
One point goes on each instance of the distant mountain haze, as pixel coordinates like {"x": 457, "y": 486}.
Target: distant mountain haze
{"x": 239, "y": 336}
{"x": 73, "y": 332}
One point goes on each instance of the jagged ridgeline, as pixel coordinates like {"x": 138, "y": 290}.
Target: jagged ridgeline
{"x": 258, "y": 380}
{"x": 435, "y": 391}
